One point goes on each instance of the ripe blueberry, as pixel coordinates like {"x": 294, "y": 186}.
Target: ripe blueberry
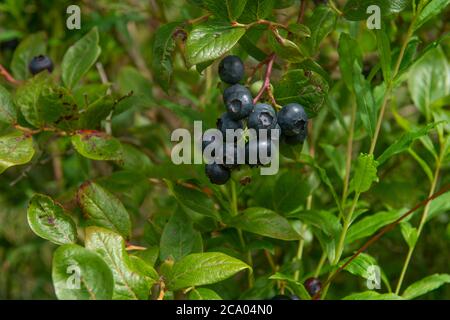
{"x": 313, "y": 286}
{"x": 226, "y": 122}
{"x": 238, "y": 100}
{"x": 292, "y": 119}
{"x": 231, "y": 69}
{"x": 262, "y": 117}
{"x": 40, "y": 63}
{"x": 217, "y": 173}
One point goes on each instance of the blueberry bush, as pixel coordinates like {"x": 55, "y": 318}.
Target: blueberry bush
{"x": 92, "y": 206}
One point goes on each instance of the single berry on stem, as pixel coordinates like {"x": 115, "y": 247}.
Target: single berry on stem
{"x": 293, "y": 119}
{"x": 262, "y": 117}
{"x": 313, "y": 286}
{"x": 40, "y": 63}
{"x": 231, "y": 69}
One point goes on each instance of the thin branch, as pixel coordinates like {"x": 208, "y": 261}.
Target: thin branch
{"x": 8, "y": 76}
{"x": 386, "y": 229}
{"x": 266, "y": 84}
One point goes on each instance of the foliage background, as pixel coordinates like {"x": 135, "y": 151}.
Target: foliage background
{"x": 127, "y": 30}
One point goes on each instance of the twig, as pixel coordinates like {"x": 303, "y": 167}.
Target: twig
{"x": 386, "y": 229}
{"x": 104, "y": 78}
{"x": 266, "y": 84}
{"x": 8, "y": 76}
{"x": 162, "y": 288}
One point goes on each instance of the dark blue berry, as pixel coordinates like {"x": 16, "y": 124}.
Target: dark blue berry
{"x": 40, "y": 63}
{"x": 262, "y": 117}
{"x": 226, "y": 122}
{"x": 313, "y": 286}
{"x": 238, "y": 101}
{"x": 217, "y": 173}
{"x": 231, "y": 69}
{"x": 293, "y": 119}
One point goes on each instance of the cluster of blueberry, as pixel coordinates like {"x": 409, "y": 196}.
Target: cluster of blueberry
{"x": 290, "y": 123}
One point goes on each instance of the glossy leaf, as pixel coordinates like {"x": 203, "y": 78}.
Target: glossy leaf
{"x": 199, "y": 269}
{"x": 97, "y": 145}
{"x": 163, "y": 47}
{"x": 266, "y": 223}
{"x": 131, "y": 281}
{"x": 431, "y": 10}
{"x": 80, "y": 274}
{"x": 227, "y": 9}
{"x": 426, "y": 285}
{"x": 409, "y": 233}
{"x": 49, "y": 221}
{"x": 16, "y": 148}
{"x": 357, "y": 9}
{"x": 179, "y": 238}
{"x": 210, "y": 40}
{"x": 104, "y": 209}
{"x": 80, "y": 57}
{"x": 429, "y": 80}
{"x": 404, "y": 142}
{"x": 8, "y": 112}
{"x": 365, "y": 173}
{"x": 321, "y": 23}
{"x": 307, "y": 88}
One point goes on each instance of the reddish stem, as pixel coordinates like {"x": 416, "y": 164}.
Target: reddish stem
{"x": 386, "y": 229}
{"x": 266, "y": 84}
{"x": 8, "y": 76}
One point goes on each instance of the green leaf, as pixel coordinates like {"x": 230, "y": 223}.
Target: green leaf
{"x": 290, "y": 192}
{"x": 431, "y": 10}
{"x": 163, "y": 47}
{"x": 256, "y": 10}
{"x": 384, "y": 50}
{"x": 210, "y": 40}
{"x": 426, "y": 285}
{"x": 365, "y": 173}
{"x": 130, "y": 280}
{"x": 372, "y": 295}
{"x": 203, "y": 294}
{"x": 285, "y": 48}
{"x": 199, "y": 269}
{"x": 305, "y": 87}
{"x": 150, "y": 255}
{"x": 369, "y": 225}
{"x": 299, "y": 30}
{"x": 439, "y": 205}
{"x": 97, "y": 145}
{"x": 321, "y": 23}
{"x": 33, "y": 45}
{"x": 16, "y": 148}
{"x": 8, "y": 112}
{"x": 325, "y": 221}
{"x": 227, "y": 9}
{"x": 49, "y": 221}
{"x": 349, "y": 52}
{"x": 179, "y": 238}
{"x": 266, "y": 223}
{"x": 404, "y": 142}
{"x": 95, "y": 112}
{"x": 36, "y": 100}
{"x": 360, "y": 266}
{"x": 429, "y": 80}
{"x": 365, "y": 100}
{"x": 356, "y": 10}
{"x": 104, "y": 209}
{"x": 409, "y": 233}
{"x": 296, "y": 286}
{"x": 193, "y": 201}
{"x": 80, "y": 57}
{"x": 79, "y": 274}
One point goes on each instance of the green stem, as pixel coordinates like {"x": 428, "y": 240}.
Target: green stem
{"x": 301, "y": 242}
{"x": 422, "y": 223}
{"x": 320, "y": 264}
